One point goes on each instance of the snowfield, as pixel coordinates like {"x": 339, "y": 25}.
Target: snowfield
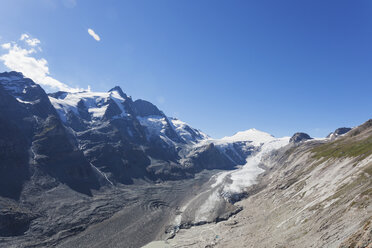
{"x": 95, "y": 102}
{"x": 224, "y": 185}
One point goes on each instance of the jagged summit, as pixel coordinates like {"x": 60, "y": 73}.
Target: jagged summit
{"x": 82, "y": 110}
{"x": 120, "y": 91}
{"x": 15, "y": 83}
{"x": 338, "y": 132}
{"x": 11, "y": 75}
{"x": 86, "y": 103}
{"x": 26, "y": 92}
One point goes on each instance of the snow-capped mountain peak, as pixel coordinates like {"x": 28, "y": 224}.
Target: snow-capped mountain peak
{"x": 15, "y": 83}
{"x": 255, "y": 136}
{"x": 23, "y": 89}
{"x": 118, "y": 90}
{"x": 95, "y": 103}
{"x": 87, "y": 108}
{"x": 10, "y": 76}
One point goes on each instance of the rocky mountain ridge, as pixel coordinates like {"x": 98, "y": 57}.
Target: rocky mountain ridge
{"x": 117, "y": 138}
{"x": 77, "y": 168}
{"x": 89, "y": 145}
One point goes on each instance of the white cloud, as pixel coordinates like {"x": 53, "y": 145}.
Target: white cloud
{"x": 93, "y": 34}
{"x": 6, "y": 45}
{"x": 30, "y": 41}
{"x": 21, "y": 59}
{"x": 24, "y": 36}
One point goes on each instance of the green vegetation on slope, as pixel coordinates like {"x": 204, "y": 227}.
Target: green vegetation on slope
{"x": 345, "y": 147}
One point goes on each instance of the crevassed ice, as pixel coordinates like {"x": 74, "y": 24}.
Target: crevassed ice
{"x": 95, "y": 102}
{"x": 155, "y": 124}
{"x": 181, "y": 128}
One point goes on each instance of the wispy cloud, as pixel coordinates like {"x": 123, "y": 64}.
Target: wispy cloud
{"x": 93, "y": 34}
{"x": 18, "y": 58}
{"x": 30, "y": 41}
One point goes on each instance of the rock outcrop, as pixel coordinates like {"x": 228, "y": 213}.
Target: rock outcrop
{"x": 338, "y": 132}
{"x": 299, "y": 137}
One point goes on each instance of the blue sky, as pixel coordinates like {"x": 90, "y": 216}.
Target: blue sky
{"x": 222, "y": 66}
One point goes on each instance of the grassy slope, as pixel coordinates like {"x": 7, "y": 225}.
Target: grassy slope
{"x": 357, "y": 143}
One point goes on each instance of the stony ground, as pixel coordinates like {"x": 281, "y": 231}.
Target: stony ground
{"x": 303, "y": 203}
{"x": 124, "y": 216}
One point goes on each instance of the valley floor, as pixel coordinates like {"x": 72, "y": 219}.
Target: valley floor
{"x": 121, "y": 216}
{"x": 144, "y": 219}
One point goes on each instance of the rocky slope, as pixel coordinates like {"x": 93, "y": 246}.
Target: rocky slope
{"x": 315, "y": 193}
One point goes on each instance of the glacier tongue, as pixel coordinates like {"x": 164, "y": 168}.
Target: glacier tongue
{"x": 227, "y": 185}
{"x": 247, "y": 174}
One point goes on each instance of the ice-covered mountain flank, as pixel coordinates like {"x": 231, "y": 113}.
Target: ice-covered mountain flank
{"x": 99, "y": 169}
{"x": 93, "y": 142}
{"x": 125, "y": 139}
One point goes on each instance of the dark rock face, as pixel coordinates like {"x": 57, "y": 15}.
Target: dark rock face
{"x": 120, "y": 91}
{"x": 338, "y": 132}
{"x": 342, "y": 130}
{"x": 14, "y": 220}
{"x": 208, "y": 157}
{"x": 14, "y": 223}
{"x": 14, "y": 159}
{"x": 55, "y": 153}
{"x": 33, "y": 138}
{"x": 299, "y": 137}
{"x": 239, "y": 151}
{"x": 145, "y": 108}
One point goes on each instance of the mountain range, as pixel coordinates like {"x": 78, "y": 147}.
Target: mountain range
{"x": 89, "y": 139}
{"x": 74, "y": 164}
